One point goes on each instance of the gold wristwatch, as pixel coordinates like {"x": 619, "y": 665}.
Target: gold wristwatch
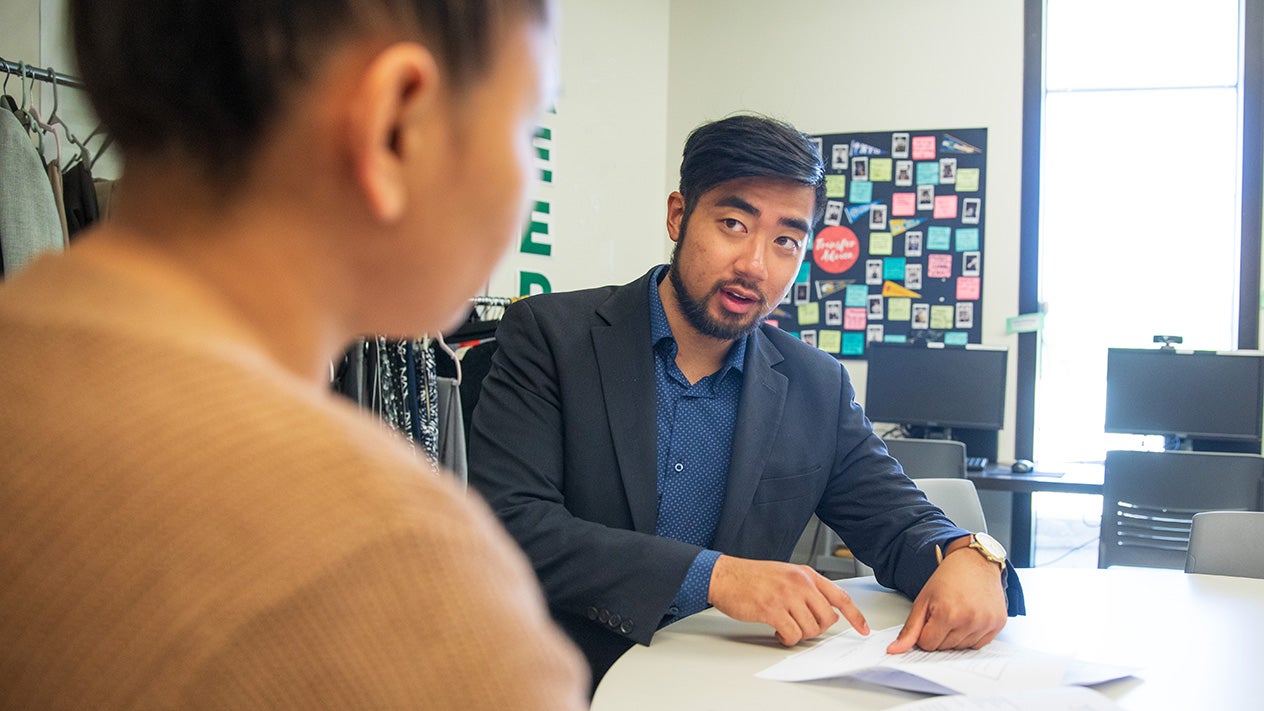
{"x": 989, "y": 548}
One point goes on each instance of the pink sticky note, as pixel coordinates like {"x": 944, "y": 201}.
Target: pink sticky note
{"x": 855, "y": 319}
{"x": 939, "y": 266}
{"x": 923, "y": 148}
{"x": 903, "y": 204}
{"x": 945, "y": 207}
{"x": 967, "y": 288}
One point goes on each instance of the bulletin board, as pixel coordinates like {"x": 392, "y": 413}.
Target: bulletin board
{"x": 898, "y": 256}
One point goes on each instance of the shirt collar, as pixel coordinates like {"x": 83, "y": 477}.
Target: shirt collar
{"x": 660, "y": 329}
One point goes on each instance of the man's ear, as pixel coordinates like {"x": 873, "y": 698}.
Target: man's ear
{"x": 675, "y": 214}
{"x": 397, "y": 88}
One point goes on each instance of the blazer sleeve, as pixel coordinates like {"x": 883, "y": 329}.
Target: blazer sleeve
{"x": 884, "y": 518}
{"x": 621, "y": 579}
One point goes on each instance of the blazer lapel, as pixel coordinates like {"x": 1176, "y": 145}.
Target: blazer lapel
{"x": 758, "y": 417}
{"x": 626, "y": 365}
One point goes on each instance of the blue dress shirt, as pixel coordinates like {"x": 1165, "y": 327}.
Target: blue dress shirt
{"x": 695, "y": 442}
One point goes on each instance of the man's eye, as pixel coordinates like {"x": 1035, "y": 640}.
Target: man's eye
{"x": 733, "y": 224}
{"x": 790, "y": 243}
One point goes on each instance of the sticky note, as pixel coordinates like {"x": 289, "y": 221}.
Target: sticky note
{"x": 809, "y": 313}
{"x": 880, "y": 243}
{"x": 967, "y": 239}
{"x": 805, "y": 273}
{"x": 861, "y": 191}
{"x": 924, "y": 148}
{"x": 893, "y": 268}
{"x": 830, "y": 341}
{"x": 956, "y": 338}
{"x": 903, "y": 204}
{"x": 941, "y": 317}
{"x": 880, "y": 170}
{"x": 939, "y": 238}
{"x": 856, "y": 319}
{"x": 968, "y": 180}
{"x": 967, "y": 288}
{"x": 945, "y": 207}
{"x": 857, "y": 295}
{"x": 853, "y": 344}
{"x": 836, "y": 186}
{"x": 928, "y": 174}
{"x": 939, "y": 266}
{"x": 895, "y": 338}
{"x": 899, "y": 309}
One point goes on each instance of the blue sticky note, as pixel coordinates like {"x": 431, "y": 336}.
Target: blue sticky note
{"x": 893, "y": 268}
{"x": 805, "y": 273}
{"x": 956, "y": 338}
{"x": 857, "y": 295}
{"x": 939, "y": 238}
{"x": 861, "y": 191}
{"x": 928, "y": 173}
{"x": 894, "y": 338}
{"x": 968, "y": 239}
{"x": 853, "y": 343}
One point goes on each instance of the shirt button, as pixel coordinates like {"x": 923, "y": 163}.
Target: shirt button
{"x": 680, "y": 467}
{"x": 673, "y": 610}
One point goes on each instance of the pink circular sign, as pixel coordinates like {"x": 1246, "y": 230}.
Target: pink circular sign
{"x": 835, "y": 249}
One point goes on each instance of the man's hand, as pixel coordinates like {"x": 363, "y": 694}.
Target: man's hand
{"x": 796, "y": 600}
{"x": 962, "y": 606}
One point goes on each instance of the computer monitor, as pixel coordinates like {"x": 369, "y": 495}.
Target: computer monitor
{"x": 1186, "y": 395}
{"x": 936, "y": 386}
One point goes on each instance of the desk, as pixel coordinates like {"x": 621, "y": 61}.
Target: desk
{"x": 1197, "y": 640}
{"x": 1075, "y": 479}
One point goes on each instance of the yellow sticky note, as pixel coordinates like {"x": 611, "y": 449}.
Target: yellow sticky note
{"x": 899, "y": 309}
{"x": 829, "y": 341}
{"x": 880, "y": 170}
{"x": 940, "y": 317}
{"x": 967, "y": 180}
{"x": 810, "y": 313}
{"x": 879, "y": 243}
{"x": 836, "y": 186}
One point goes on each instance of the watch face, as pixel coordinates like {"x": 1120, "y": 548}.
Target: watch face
{"x": 991, "y": 545}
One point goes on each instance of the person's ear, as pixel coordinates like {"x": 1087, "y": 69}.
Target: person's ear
{"x": 675, "y": 215}
{"x": 397, "y": 89}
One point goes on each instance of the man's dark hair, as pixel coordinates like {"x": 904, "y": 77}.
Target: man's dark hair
{"x": 203, "y": 79}
{"x": 749, "y": 146}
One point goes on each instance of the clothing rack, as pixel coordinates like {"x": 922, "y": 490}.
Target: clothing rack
{"x": 22, "y": 69}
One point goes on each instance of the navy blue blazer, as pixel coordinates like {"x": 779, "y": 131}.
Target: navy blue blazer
{"x": 563, "y": 446}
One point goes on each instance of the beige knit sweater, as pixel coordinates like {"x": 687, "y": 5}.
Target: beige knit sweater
{"x": 185, "y": 525}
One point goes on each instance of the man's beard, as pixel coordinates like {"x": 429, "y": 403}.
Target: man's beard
{"x": 695, "y": 310}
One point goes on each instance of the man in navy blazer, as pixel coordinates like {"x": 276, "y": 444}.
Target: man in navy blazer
{"x": 655, "y": 448}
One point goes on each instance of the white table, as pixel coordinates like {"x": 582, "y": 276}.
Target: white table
{"x": 1198, "y": 640}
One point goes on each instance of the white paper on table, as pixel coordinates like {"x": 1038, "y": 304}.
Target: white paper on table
{"x": 997, "y": 667}
{"x": 1066, "y": 698}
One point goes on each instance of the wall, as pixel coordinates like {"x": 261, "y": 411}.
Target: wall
{"x": 608, "y": 135}
{"x": 831, "y": 66}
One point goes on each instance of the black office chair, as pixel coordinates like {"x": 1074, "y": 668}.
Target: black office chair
{"x": 929, "y": 458}
{"x": 1150, "y": 498}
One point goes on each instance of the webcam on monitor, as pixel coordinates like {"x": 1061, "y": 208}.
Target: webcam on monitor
{"x": 1168, "y": 341}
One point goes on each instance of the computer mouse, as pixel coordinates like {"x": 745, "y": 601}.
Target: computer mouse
{"x": 1022, "y": 466}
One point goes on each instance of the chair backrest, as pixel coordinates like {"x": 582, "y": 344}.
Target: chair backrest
{"x": 1227, "y": 543}
{"x": 959, "y": 500}
{"x": 927, "y": 458}
{"x": 1149, "y": 499}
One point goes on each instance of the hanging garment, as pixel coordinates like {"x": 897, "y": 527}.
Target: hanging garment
{"x": 107, "y": 195}
{"x": 452, "y": 452}
{"x": 81, "y": 198}
{"x": 395, "y": 380}
{"x": 54, "y": 180}
{"x": 28, "y": 212}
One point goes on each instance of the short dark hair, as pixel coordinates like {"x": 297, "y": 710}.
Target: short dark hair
{"x": 749, "y": 146}
{"x": 204, "y": 78}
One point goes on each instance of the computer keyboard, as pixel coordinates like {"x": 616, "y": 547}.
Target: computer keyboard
{"x": 976, "y": 464}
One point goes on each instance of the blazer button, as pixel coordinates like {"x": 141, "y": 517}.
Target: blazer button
{"x": 614, "y": 621}
{"x": 626, "y": 627}
{"x": 603, "y": 615}
{"x": 592, "y": 613}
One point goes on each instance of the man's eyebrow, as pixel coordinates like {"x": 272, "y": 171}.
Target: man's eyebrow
{"x": 738, "y": 203}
